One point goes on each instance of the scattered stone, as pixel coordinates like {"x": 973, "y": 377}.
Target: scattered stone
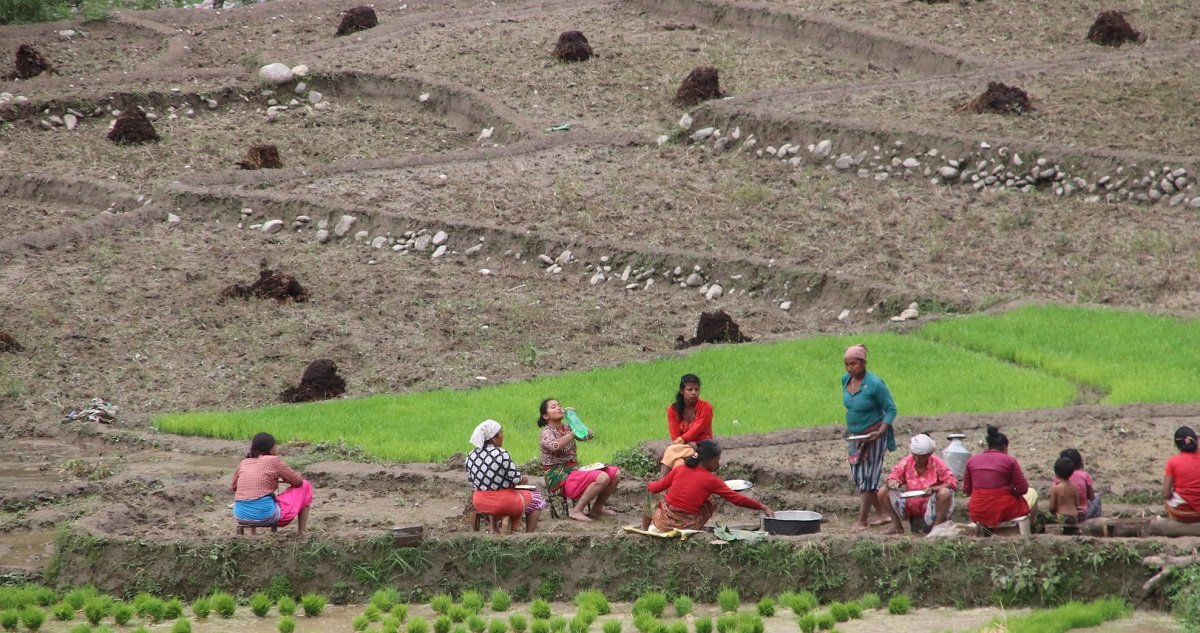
{"x": 999, "y": 98}
{"x": 315, "y": 97}
{"x": 272, "y": 226}
{"x": 1195, "y": 203}
{"x": 545, "y": 259}
{"x": 440, "y": 238}
{"x": 572, "y": 46}
{"x": 563, "y": 258}
{"x": 844, "y": 162}
{"x": 685, "y": 122}
{"x": 30, "y": 62}
{"x": 821, "y": 150}
{"x": 261, "y": 157}
{"x": 1112, "y": 29}
{"x": 845, "y": 314}
{"x": 422, "y": 242}
{"x": 785, "y": 306}
{"x": 908, "y": 314}
{"x": 714, "y": 327}
{"x": 322, "y": 236}
{"x": 379, "y": 242}
{"x": 275, "y": 74}
{"x": 700, "y": 85}
{"x": 70, "y": 121}
{"x": 270, "y": 285}
{"x": 485, "y": 134}
{"x": 424, "y": 96}
{"x": 597, "y": 278}
{"x": 300, "y": 70}
{"x": 948, "y": 172}
{"x": 357, "y": 19}
{"x": 173, "y": 219}
{"x": 319, "y": 382}
{"x": 702, "y": 134}
{"x": 910, "y": 163}
{"x": 438, "y": 252}
{"x": 662, "y": 140}
{"x": 132, "y": 128}
{"x": 715, "y": 292}
{"x": 694, "y": 280}
{"x": 344, "y": 225}
{"x": 361, "y": 235}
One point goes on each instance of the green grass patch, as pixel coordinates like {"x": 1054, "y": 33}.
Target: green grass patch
{"x": 755, "y": 388}
{"x": 1132, "y": 357}
{"x": 1073, "y": 615}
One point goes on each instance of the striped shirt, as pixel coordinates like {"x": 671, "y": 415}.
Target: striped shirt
{"x": 257, "y": 477}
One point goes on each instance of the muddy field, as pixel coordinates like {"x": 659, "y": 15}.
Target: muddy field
{"x": 114, "y": 258}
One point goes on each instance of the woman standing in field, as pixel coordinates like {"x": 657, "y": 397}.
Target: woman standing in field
{"x": 1181, "y": 483}
{"x": 561, "y": 464}
{"x": 870, "y": 412}
{"x": 491, "y": 471}
{"x": 254, "y": 483}
{"x": 993, "y": 480}
{"x": 688, "y": 504}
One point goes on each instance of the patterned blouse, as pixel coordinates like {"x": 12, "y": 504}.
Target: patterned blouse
{"x": 491, "y": 468}
{"x": 555, "y": 453}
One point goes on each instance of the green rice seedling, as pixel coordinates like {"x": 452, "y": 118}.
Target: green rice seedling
{"x": 870, "y": 601}
{"x": 182, "y": 625}
{"x": 613, "y": 626}
{"x": 677, "y": 627}
{"x": 64, "y": 612}
{"x": 417, "y": 624}
{"x": 82, "y": 628}
{"x": 400, "y": 612}
{"x": 391, "y": 623}
{"x": 471, "y": 600}
{"x": 76, "y": 597}
{"x": 313, "y": 604}
{"x": 899, "y": 605}
{"x": 595, "y": 599}
{"x": 10, "y": 619}
{"x": 286, "y": 606}
{"x": 683, "y": 605}
{"x": 441, "y": 603}
{"x": 557, "y": 623}
{"x": 442, "y": 624}
{"x": 496, "y": 625}
{"x": 807, "y": 622}
{"x": 476, "y": 624}
{"x": 500, "y": 600}
{"x": 703, "y": 625}
{"x": 518, "y": 623}
{"x": 458, "y": 613}
{"x": 644, "y": 622}
{"x": 825, "y": 622}
{"x": 540, "y": 626}
{"x": 728, "y": 599}
{"x": 95, "y": 610}
{"x": 854, "y": 609}
{"x": 540, "y": 609}
{"x": 140, "y": 629}
{"x": 653, "y": 602}
{"x": 32, "y": 617}
{"x": 578, "y": 626}
{"x": 459, "y": 628}
{"x": 749, "y": 623}
{"x": 172, "y": 609}
{"x": 103, "y": 628}
{"x": 765, "y": 607}
{"x": 42, "y": 596}
{"x": 360, "y": 622}
{"x": 1073, "y": 615}
{"x": 372, "y": 612}
{"x": 586, "y": 615}
{"x": 260, "y": 604}
{"x": 224, "y": 604}
{"x": 287, "y": 624}
{"x": 839, "y": 611}
{"x": 385, "y": 598}
{"x": 122, "y": 613}
{"x": 726, "y": 623}
{"x": 202, "y": 608}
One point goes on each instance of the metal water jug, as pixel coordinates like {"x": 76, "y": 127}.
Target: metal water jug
{"x": 956, "y": 455}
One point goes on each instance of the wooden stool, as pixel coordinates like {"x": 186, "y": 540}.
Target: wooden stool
{"x": 1019, "y": 526}
{"x": 560, "y": 505}
{"x": 494, "y": 523}
{"x": 241, "y": 528}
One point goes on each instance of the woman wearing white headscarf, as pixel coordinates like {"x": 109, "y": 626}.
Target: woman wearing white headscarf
{"x": 491, "y": 471}
{"x": 921, "y": 471}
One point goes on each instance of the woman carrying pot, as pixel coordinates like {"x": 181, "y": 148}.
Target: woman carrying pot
{"x": 870, "y": 412}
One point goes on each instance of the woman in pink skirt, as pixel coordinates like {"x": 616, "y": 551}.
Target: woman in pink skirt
{"x": 254, "y": 484}
{"x": 562, "y": 466}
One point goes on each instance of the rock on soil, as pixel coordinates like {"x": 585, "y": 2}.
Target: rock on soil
{"x": 275, "y": 74}
{"x": 30, "y": 62}
{"x": 320, "y": 382}
{"x": 714, "y": 327}
{"x": 1112, "y": 29}
{"x": 261, "y": 157}
{"x": 572, "y": 46}
{"x": 999, "y": 98}
{"x": 9, "y": 344}
{"x": 357, "y": 19}
{"x": 270, "y": 285}
{"x": 700, "y": 85}
{"x": 132, "y": 128}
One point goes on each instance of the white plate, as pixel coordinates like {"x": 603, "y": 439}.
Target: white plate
{"x": 853, "y": 438}
{"x": 738, "y": 485}
{"x": 525, "y": 487}
{"x": 913, "y": 493}
{"x": 596, "y": 466}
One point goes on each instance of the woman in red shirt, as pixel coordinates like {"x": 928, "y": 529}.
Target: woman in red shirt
{"x": 689, "y": 420}
{"x": 687, "y": 505}
{"x": 993, "y": 480}
{"x": 1181, "y": 483}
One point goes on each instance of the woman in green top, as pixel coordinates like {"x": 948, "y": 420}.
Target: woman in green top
{"x": 870, "y": 412}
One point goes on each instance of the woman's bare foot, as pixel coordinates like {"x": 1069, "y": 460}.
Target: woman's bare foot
{"x": 895, "y": 530}
{"x": 578, "y": 516}
{"x": 858, "y": 527}
{"x": 605, "y": 511}
{"x": 881, "y": 521}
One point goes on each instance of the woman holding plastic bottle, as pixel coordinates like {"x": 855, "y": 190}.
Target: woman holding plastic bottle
{"x": 559, "y": 460}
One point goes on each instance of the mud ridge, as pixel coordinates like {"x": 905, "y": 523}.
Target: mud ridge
{"x": 79, "y": 192}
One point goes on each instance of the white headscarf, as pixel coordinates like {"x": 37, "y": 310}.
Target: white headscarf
{"x": 922, "y": 444}
{"x": 484, "y": 432}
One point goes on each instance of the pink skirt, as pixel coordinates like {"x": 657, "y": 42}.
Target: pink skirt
{"x": 292, "y": 501}
{"x": 579, "y": 480}
{"x": 508, "y": 502}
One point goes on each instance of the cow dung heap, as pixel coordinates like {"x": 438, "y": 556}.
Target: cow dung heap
{"x": 714, "y": 327}
{"x": 320, "y": 382}
{"x": 261, "y": 157}
{"x": 572, "y": 46}
{"x": 1112, "y": 29}
{"x": 1000, "y": 99}
{"x": 700, "y": 85}
{"x": 30, "y": 62}
{"x": 270, "y": 285}
{"x": 357, "y": 19}
{"x": 132, "y": 128}
{"x": 9, "y": 344}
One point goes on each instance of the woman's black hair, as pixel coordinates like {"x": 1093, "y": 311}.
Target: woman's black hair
{"x": 705, "y": 450}
{"x": 996, "y": 439}
{"x": 1064, "y": 467}
{"x": 1185, "y": 439}
{"x": 1075, "y": 456}
{"x": 542, "y": 411}
{"x": 261, "y": 445}
{"x": 686, "y": 379}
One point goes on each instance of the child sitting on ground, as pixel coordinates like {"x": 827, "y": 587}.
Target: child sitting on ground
{"x": 1087, "y": 498}
{"x": 1063, "y": 503}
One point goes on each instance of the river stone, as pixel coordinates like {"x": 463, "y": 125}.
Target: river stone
{"x": 275, "y": 74}
{"x": 272, "y": 226}
{"x": 344, "y": 225}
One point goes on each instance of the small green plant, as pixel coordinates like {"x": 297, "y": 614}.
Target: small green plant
{"x": 64, "y": 612}
{"x": 122, "y": 613}
{"x": 557, "y": 623}
{"x": 476, "y": 624}
{"x": 765, "y": 607}
{"x": 313, "y": 604}
{"x": 442, "y": 624}
{"x": 94, "y": 610}
{"x": 286, "y": 606}
{"x": 400, "y": 612}
{"x": 500, "y": 601}
{"x": 151, "y": 608}
{"x": 77, "y": 597}
{"x": 540, "y": 626}
{"x": 855, "y": 609}
{"x": 825, "y": 622}
{"x": 84, "y": 628}
{"x": 726, "y": 623}
{"x": 417, "y": 624}
{"x": 594, "y": 599}
{"x": 372, "y": 612}
{"x": 587, "y": 615}
{"x": 458, "y": 613}
{"x": 287, "y": 624}
{"x": 578, "y": 626}
{"x": 10, "y": 619}
{"x": 899, "y": 605}
{"x": 611, "y": 626}
{"x": 385, "y": 598}
{"x": 360, "y": 622}
{"x": 182, "y": 625}
{"x": 201, "y": 608}
{"x": 728, "y": 599}
{"x": 749, "y": 623}
{"x": 518, "y": 623}
{"x": 654, "y": 603}
{"x": 224, "y": 604}
{"x": 441, "y": 603}
{"x": 260, "y": 604}
{"x": 677, "y": 627}
{"x": 33, "y": 618}
{"x": 389, "y": 624}
{"x": 703, "y": 625}
{"x": 635, "y": 462}
{"x": 471, "y": 600}
{"x": 540, "y": 609}
{"x": 870, "y": 601}
{"x": 496, "y": 625}
{"x": 839, "y": 611}
{"x": 807, "y": 622}
{"x": 172, "y": 609}
{"x": 683, "y": 605}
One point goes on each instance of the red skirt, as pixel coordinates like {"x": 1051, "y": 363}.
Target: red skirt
{"x": 509, "y": 502}
{"x": 994, "y": 506}
{"x": 1183, "y": 513}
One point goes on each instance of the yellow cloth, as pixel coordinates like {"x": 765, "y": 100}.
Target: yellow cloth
{"x": 653, "y": 531}
{"x": 676, "y": 453}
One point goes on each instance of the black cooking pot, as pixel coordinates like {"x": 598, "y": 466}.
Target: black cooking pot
{"x": 792, "y": 522}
